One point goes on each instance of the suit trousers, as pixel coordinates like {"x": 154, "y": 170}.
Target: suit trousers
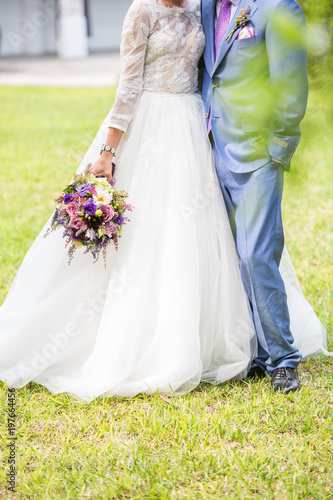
{"x": 253, "y": 202}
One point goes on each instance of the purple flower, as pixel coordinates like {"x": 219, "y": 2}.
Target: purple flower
{"x": 90, "y": 208}
{"x": 84, "y": 189}
{"x": 119, "y": 220}
{"x": 55, "y": 217}
{"x": 68, "y": 198}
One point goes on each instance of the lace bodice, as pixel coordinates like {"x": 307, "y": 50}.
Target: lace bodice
{"x": 161, "y": 47}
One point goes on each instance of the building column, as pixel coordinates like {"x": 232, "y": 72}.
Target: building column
{"x": 73, "y": 36}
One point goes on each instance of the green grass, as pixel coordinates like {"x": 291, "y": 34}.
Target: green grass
{"x": 234, "y": 441}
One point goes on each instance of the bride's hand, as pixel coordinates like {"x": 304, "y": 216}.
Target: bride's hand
{"x": 103, "y": 166}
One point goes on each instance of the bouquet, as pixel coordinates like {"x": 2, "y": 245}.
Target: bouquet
{"x": 91, "y": 213}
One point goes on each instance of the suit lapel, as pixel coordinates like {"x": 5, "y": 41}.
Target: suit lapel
{"x": 225, "y": 46}
{"x": 208, "y": 19}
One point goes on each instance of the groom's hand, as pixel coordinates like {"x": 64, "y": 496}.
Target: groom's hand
{"x": 278, "y": 163}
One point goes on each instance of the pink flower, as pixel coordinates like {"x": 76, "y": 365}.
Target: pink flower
{"x": 77, "y": 223}
{"x": 111, "y": 229}
{"x": 108, "y": 213}
{"x": 93, "y": 190}
{"x": 71, "y": 208}
{"x": 76, "y": 197}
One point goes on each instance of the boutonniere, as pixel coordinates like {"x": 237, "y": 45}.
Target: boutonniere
{"x": 241, "y": 21}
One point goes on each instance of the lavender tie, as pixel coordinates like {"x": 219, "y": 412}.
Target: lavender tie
{"x": 222, "y": 23}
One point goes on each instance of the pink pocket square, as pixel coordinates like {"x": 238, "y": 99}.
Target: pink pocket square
{"x": 246, "y": 32}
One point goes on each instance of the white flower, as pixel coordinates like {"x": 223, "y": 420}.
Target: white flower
{"x": 103, "y": 197}
{"x": 102, "y": 182}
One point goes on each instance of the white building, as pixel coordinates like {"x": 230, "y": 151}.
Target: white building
{"x": 69, "y": 28}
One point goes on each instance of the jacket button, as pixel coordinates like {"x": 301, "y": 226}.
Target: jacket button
{"x": 206, "y": 115}
{"x": 214, "y": 85}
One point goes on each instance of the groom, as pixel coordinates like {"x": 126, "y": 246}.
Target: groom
{"x": 255, "y": 92}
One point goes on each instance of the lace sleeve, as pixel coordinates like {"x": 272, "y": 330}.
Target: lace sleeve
{"x": 133, "y": 50}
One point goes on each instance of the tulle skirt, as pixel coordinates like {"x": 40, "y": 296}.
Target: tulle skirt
{"x": 169, "y": 310}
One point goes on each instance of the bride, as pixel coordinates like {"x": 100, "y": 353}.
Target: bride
{"x": 170, "y": 310}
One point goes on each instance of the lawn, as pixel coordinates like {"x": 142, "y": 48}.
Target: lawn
{"x": 234, "y": 441}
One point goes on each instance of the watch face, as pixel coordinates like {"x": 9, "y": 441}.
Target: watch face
{"x": 108, "y": 148}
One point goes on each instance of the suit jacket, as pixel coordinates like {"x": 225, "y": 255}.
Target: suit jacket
{"x": 256, "y": 90}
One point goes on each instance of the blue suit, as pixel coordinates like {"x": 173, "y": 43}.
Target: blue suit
{"x": 256, "y": 93}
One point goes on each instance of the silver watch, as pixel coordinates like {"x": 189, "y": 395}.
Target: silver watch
{"x": 109, "y": 149}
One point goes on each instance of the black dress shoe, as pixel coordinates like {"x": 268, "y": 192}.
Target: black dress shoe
{"x": 285, "y": 380}
{"x": 255, "y": 371}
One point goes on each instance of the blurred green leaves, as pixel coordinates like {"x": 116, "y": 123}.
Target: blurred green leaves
{"x": 319, "y": 16}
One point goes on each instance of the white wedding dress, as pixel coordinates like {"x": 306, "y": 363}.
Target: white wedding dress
{"x": 170, "y": 310}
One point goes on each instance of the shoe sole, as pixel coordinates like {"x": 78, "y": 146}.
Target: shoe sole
{"x": 283, "y": 390}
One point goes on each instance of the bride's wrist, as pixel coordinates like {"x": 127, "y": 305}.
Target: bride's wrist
{"x": 109, "y": 149}
{"x": 106, "y": 155}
